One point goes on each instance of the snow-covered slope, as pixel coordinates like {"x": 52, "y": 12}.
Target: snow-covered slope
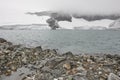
{"x": 115, "y": 24}
{"x": 85, "y": 24}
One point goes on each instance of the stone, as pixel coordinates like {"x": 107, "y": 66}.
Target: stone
{"x": 2, "y": 40}
{"x": 112, "y": 76}
{"x": 13, "y": 68}
{"x": 38, "y": 48}
{"x": 68, "y": 54}
{"x": 46, "y": 69}
{"x": 81, "y": 71}
{"x": 77, "y": 77}
{"x": 67, "y": 66}
{"x": 8, "y": 73}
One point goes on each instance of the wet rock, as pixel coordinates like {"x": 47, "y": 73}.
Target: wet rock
{"x": 112, "y": 76}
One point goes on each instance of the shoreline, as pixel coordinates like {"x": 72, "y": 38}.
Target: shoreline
{"x": 47, "y": 64}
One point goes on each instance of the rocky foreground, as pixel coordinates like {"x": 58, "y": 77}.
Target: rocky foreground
{"x": 49, "y": 65}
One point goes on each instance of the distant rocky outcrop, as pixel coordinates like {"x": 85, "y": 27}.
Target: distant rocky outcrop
{"x": 115, "y": 24}
{"x": 55, "y": 17}
{"x": 97, "y": 17}
{"x": 24, "y": 27}
{"x": 53, "y": 23}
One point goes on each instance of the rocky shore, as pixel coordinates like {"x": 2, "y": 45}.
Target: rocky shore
{"x": 49, "y": 65}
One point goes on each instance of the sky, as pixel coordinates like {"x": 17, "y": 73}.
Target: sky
{"x": 13, "y": 11}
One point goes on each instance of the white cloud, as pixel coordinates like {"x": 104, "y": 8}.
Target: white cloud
{"x": 14, "y": 9}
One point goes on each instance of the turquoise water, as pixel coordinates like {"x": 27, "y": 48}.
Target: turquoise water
{"x": 77, "y": 41}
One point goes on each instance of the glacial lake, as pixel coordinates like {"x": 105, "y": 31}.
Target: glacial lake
{"x": 76, "y": 41}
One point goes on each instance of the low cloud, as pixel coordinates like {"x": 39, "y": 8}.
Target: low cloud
{"x": 86, "y": 6}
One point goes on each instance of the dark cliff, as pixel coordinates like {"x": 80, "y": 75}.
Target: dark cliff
{"x": 55, "y": 17}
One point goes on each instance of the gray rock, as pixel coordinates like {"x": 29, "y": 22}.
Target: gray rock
{"x": 38, "y": 48}
{"x": 56, "y": 72}
{"x": 46, "y": 69}
{"x": 68, "y": 54}
{"x": 112, "y": 76}
{"x": 79, "y": 78}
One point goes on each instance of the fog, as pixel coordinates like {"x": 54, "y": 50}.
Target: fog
{"x": 81, "y": 6}
{"x": 12, "y": 11}
{"x": 87, "y": 6}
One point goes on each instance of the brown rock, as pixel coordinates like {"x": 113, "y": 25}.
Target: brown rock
{"x": 67, "y": 66}
{"x": 8, "y": 73}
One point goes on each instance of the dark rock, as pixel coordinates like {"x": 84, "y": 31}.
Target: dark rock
{"x": 2, "y": 40}
{"x": 11, "y": 48}
{"x": 38, "y": 49}
{"x": 117, "y": 57}
{"x": 53, "y": 23}
{"x": 68, "y": 54}
{"x": 109, "y": 56}
{"x": 8, "y": 43}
